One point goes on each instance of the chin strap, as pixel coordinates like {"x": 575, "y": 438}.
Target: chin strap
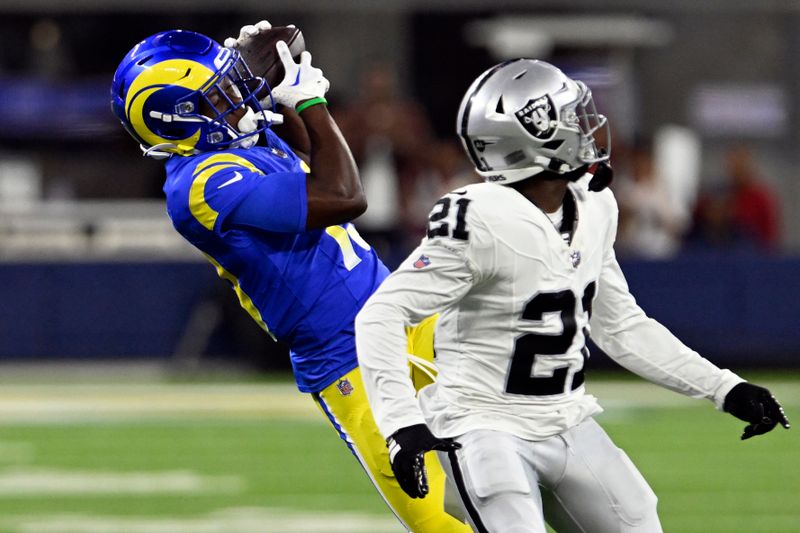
{"x": 249, "y": 124}
{"x": 156, "y": 151}
{"x": 572, "y": 175}
{"x": 602, "y": 177}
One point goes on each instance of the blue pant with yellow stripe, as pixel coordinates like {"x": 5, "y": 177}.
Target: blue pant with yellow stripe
{"x": 345, "y": 405}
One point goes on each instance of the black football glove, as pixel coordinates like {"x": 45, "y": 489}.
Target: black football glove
{"x": 757, "y": 406}
{"x": 407, "y": 447}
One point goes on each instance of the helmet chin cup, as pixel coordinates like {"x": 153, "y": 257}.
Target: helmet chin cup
{"x": 602, "y": 177}
{"x": 248, "y": 124}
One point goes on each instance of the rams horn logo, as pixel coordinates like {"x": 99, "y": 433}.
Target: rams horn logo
{"x": 538, "y": 117}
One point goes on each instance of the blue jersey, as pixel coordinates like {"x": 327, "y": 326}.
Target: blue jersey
{"x": 303, "y": 287}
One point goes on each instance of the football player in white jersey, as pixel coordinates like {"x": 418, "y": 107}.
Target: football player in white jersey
{"x": 523, "y": 270}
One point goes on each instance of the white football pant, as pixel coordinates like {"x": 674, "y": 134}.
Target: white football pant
{"x": 578, "y": 481}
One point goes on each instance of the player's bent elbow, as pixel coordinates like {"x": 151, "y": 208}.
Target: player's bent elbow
{"x": 358, "y": 205}
{"x": 324, "y": 212}
{"x": 362, "y": 318}
{"x": 367, "y": 318}
{"x": 350, "y": 206}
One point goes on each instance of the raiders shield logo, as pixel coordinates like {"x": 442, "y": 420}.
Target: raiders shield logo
{"x": 538, "y": 117}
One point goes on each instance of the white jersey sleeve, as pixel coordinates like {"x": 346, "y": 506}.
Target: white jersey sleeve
{"x": 439, "y": 272}
{"x": 622, "y": 330}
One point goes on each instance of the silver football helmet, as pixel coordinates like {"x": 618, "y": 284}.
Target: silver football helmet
{"x": 522, "y": 117}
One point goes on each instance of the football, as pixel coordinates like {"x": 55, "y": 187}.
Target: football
{"x": 261, "y": 56}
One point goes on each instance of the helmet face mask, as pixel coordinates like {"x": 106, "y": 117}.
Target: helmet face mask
{"x": 180, "y": 92}
{"x": 524, "y": 117}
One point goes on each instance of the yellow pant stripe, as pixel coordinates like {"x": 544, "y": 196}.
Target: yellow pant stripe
{"x": 345, "y": 405}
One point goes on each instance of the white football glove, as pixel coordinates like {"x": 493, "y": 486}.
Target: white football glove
{"x": 247, "y": 31}
{"x": 301, "y": 82}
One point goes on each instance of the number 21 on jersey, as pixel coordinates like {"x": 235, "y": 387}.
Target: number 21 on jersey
{"x": 448, "y": 221}
{"x": 531, "y": 346}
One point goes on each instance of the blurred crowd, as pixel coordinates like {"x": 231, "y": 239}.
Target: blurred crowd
{"x": 405, "y": 168}
{"x": 737, "y": 213}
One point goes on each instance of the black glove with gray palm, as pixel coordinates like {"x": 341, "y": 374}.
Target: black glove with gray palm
{"x": 407, "y": 447}
{"x": 757, "y": 406}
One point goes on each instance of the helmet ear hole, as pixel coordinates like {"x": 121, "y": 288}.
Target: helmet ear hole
{"x": 171, "y": 133}
{"x": 553, "y": 145}
{"x": 514, "y": 157}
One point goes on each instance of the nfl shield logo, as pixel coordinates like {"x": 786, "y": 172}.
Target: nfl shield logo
{"x": 345, "y": 387}
{"x": 422, "y": 262}
{"x": 279, "y": 153}
{"x": 575, "y": 258}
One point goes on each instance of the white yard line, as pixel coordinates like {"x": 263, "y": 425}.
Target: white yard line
{"x": 245, "y": 520}
{"x": 64, "y": 403}
{"x": 39, "y": 482}
{"x": 74, "y": 403}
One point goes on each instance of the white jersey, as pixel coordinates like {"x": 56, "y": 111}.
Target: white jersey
{"x": 517, "y": 302}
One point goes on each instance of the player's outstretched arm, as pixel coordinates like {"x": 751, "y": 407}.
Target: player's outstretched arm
{"x": 407, "y": 447}
{"x": 757, "y": 406}
{"x": 334, "y": 188}
{"x": 642, "y": 345}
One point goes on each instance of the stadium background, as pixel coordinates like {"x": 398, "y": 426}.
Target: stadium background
{"x": 136, "y": 396}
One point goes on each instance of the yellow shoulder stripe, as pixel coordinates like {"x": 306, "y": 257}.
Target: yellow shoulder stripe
{"x": 198, "y": 206}
{"x": 226, "y": 158}
{"x": 244, "y": 300}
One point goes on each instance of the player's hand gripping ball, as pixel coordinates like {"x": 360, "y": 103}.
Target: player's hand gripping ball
{"x": 257, "y": 43}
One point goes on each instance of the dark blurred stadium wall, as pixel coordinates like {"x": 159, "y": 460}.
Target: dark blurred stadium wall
{"x": 91, "y": 254}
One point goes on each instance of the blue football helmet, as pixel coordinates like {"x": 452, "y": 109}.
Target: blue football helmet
{"x": 178, "y": 92}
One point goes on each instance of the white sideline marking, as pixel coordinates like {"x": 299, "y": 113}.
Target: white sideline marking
{"x": 21, "y": 483}
{"x": 641, "y": 394}
{"x": 70, "y": 403}
{"x": 238, "y": 520}
{"x": 32, "y": 404}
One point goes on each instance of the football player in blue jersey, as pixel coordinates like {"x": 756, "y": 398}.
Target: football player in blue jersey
{"x": 275, "y": 225}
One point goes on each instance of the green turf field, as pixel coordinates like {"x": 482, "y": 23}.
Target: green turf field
{"x": 242, "y": 458}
